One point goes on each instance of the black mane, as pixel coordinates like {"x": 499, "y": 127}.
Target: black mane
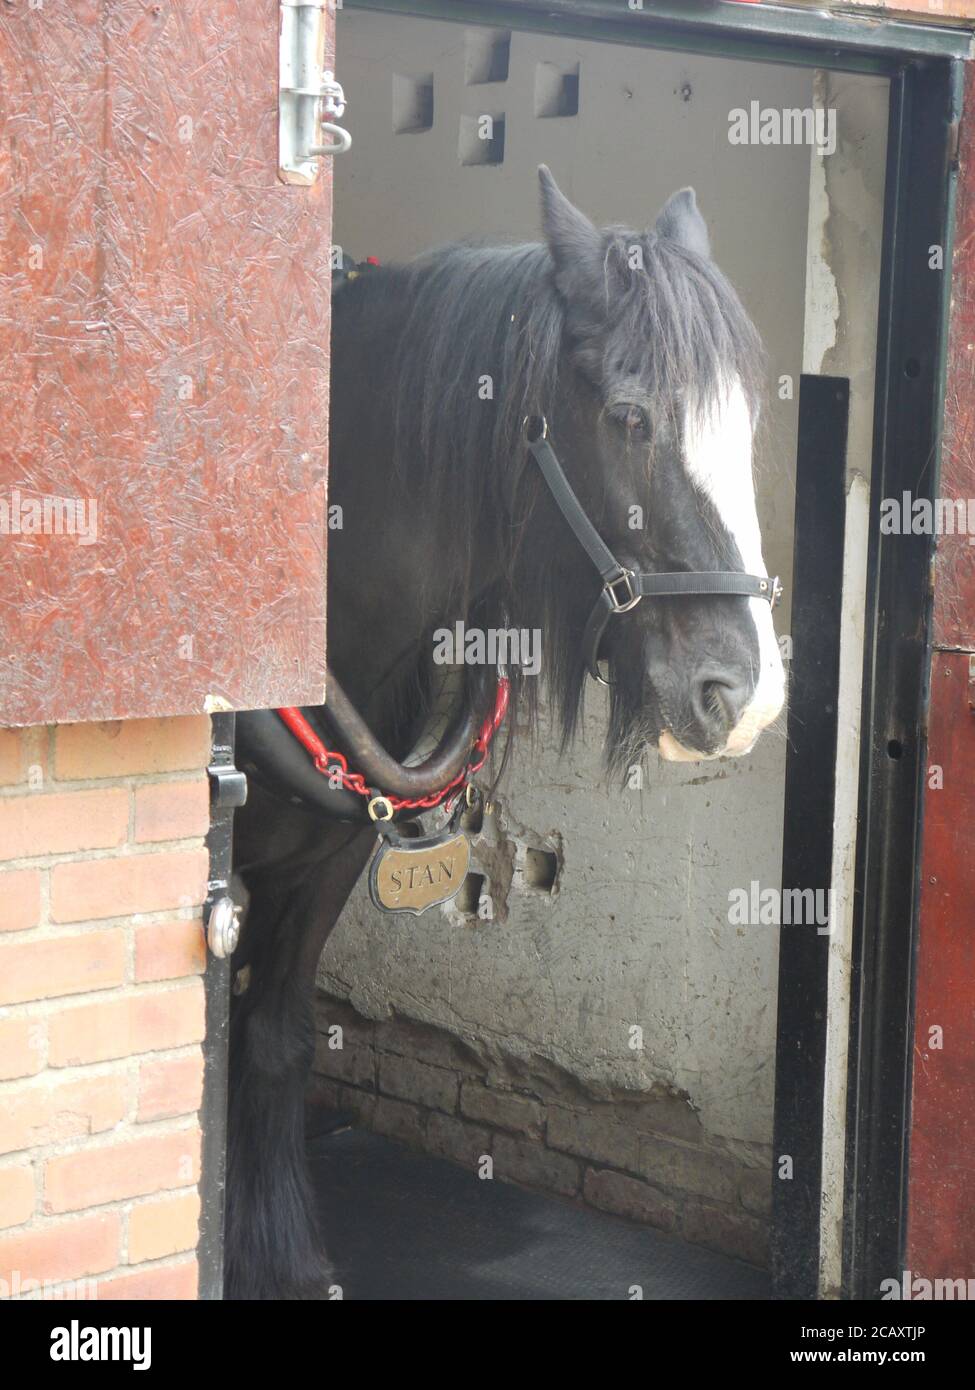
{"x": 469, "y": 312}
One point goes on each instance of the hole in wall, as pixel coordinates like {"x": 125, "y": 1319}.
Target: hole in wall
{"x": 541, "y": 870}
{"x": 469, "y": 896}
{"x": 556, "y": 90}
{"x": 412, "y": 104}
{"x": 488, "y": 56}
{"x": 481, "y": 140}
{"x": 895, "y": 749}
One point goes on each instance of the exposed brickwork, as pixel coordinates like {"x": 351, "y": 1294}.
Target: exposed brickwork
{"x": 645, "y": 1158}
{"x": 20, "y": 899}
{"x": 172, "y": 1086}
{"x": 168, "y": 1226}
{"x": 102, "y": 874}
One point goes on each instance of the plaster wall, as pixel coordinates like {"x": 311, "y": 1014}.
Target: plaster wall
{"x": 632, "y": 943}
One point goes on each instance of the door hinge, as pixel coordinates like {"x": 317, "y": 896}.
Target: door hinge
{"x": 310, "y": 100}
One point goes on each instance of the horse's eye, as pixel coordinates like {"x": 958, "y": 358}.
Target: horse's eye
{"x": 637, "y": 423}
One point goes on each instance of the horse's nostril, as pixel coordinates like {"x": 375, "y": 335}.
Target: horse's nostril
{"x": 718, "y": 701}
{"x": 714, "y": 704}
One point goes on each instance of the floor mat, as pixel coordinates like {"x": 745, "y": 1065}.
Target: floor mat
{"x": 403, "y": 1225}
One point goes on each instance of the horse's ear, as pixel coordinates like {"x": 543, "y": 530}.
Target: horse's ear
{"x": 574, "y": 242}
{"x": 681, "y": 221}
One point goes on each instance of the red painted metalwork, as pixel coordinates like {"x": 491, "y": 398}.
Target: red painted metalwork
{"x": 331, "y": 763}
{"x": 941, "y": 1204}
{"x": 164, "y": 348}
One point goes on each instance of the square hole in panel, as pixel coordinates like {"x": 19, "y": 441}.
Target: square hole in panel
{"x": 541, "y": 870}
{"x": 468, "y": 900}
{"x": 481, "y": 140}
{"x": 412, "y": 103}
{"x": 556, "y": 90}
{"x": 488, "y": 53}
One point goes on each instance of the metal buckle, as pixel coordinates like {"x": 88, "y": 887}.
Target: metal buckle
{"x": 772, "y": 590}
{"x": 631, "y": 599}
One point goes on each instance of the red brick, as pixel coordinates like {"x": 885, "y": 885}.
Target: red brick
{"x": 165, "y": 1284}
{"x": 128, "y": 1168}
{"x": 21, "y": 750}
{"x": 16, "y": 1195}
{"x": 20, "y": 899}
{"x": 11, "y": 756}
{"x": 60, "y": 822}
{"x": 124, "y": 748}
{"x": 22, "y": 1042}
{"x": 62, "y": 1249}
{"x": 167, "y": 1226}
{"x": 171, "y": 1086}
{"x": 43, "y": 1111}
{"x": 146, "y": 1021}
{"x": 172, "y": 810}
{"x": 169, "y": 950}
{"x": 61, "y": 965}
{"x": 118, "y": 887}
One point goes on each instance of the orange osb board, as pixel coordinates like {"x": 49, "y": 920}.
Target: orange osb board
{"x": 164, "y": 351}
{"x": 102, "y": 878}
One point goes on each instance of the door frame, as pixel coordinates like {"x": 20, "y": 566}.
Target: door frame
{"x": 926, "y": 71}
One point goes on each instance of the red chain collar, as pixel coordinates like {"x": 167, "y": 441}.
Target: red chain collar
{"x": 332, "y": 764}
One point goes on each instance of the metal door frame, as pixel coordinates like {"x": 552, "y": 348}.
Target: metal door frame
{"x": 925, "y": 66}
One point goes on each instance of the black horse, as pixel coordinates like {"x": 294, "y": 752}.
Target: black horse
{"x": 637, "y": 351}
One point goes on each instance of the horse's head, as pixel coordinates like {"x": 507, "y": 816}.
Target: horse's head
{"x": 653, "y": 425}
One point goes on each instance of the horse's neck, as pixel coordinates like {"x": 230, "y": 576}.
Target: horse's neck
{"x": 387, "y": 578}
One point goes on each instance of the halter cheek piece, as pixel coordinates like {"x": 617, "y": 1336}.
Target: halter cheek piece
{"x": 624, "y": 588}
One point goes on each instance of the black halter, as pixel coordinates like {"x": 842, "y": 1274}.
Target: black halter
{"x": 624, "y": 588}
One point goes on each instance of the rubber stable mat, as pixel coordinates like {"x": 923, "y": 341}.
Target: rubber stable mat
{"x": 402, "y": 1225}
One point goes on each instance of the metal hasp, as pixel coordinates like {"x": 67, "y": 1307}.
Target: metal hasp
{"x": 228, "y": 789}
{"x": 310, "y": 100}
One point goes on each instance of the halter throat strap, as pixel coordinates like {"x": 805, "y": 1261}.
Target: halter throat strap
{"x": 624, "y": 588}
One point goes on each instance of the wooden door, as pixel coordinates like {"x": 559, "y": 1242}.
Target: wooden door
{"x": 164, "y": 350}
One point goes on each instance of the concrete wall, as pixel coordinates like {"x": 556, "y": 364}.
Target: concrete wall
{"x": 546, "y": 987}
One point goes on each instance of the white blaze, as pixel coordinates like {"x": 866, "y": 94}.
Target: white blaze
{"x": 718, "y": 458}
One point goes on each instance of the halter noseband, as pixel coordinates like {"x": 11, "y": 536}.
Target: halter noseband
{"x": 623, "y": 588}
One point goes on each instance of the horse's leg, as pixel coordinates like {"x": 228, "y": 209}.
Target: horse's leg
{"x": 272, "y": 1247}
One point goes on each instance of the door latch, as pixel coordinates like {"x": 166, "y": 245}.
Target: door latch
{"x": 310, "y": 100}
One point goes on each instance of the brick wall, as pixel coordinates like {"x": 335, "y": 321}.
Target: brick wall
{"x": 641, "y": 1157}
{"x": 102, "y": 876}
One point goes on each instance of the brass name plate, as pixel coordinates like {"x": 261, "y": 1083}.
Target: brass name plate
{"x": 405, "y": 877}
